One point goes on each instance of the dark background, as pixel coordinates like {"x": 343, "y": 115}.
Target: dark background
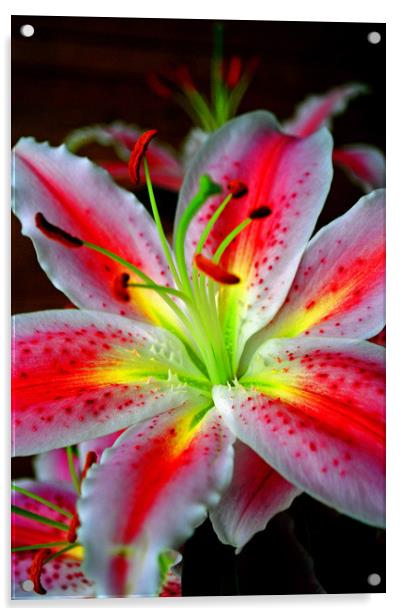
{"x": 79, "y": 71}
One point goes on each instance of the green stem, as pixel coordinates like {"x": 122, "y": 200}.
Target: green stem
{"x": 42, "y": 500}
{"x": 159, "y": 227}
{"x": 160, "y": 289}
{"x": 211, "y": 222}
{"x": 38, "y": 546}
{"x": 203, "y": 111}
{"x": 38, "y": 518}
{"x": 73, "y": 472}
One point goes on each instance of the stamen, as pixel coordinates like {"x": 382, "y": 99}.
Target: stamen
{"x": 55, "y": 233}
{"x": 215, "y": 271}
{"x": 237, "y": 188}
{"x": 260, "y": 212}
{"x": 74, "y": 524}
{"x": 207, "y": 188}
{"x": 138, "y": 154}
{"x": 91, "y": 458}
{"x": 36, "y": 568}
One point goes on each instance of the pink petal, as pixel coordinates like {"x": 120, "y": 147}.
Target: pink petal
{"x": 314, "y": 410}
{"x": 255, "y": 495}
{"x": 364, "y": 163}
{"x": 82, "y": 199}
{"x": 339, "y": 288}
{"x": 62, "y": 577}
{"x": 153, "y": 488}
{"x": 290, "y": 176}
{"x": 26, "y": 531}
{"x": 98, "y": 445}
{"x": 317, "y": 111}
{"x": 78, "y": 375}
{"x": 53, "y": 466}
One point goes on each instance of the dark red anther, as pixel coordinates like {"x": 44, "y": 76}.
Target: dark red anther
{"x": 215, "y": 271}
{"x": 91, "y": 458}
{"x": 260, "y": 212}
{"x": 72, "y": 529}
{"x": 237, "y": 188}
{"x": 138, "y": 153}
{"x": 120, "y": 287}
{"x": 234, "y": 72}
{"x": 36, "y": 568}
{"x": 55, "y": 233}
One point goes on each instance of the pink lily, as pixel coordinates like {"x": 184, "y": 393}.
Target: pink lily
{"x": 246, "y": 329}
{"x": 365, "y": 164}
{"x": 44, "y": 510}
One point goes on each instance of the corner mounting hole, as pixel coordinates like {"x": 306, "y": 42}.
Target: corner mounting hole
{"x": 27, "y": 30}
{"x": 374, "y": 37}
{"x": 28, "y": 585}
{"x": 374, "y": 579}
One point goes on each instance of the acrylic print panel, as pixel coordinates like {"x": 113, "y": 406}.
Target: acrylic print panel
{"x": 198, "y": 381}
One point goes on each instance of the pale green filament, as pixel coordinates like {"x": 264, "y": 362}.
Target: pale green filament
{"x": 38, "y": 546}
{"x": 229, "y": 239}
{"x": 38, "y": 518}
{"x": 160, "y": 289}
{"x": 207, "y": 188}
{"x": 210, "y": 224}
{"x": 41, "y": 500}
{"x": 159, "y": 227}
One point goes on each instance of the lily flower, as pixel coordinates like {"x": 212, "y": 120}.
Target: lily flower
{"x": 236, "y": 360}
{"x": 46, "y": 558}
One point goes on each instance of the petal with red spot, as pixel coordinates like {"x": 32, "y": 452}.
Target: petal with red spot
{"x": 61, "y": 577}
{"x": 154, "y": 487}
{"x": 291, "y": 177}
{"x": 78, "y": 375}
{"x": 319, "y": 419}
{"x": 339, "y": 288}
{"x": 80, "y": 198}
